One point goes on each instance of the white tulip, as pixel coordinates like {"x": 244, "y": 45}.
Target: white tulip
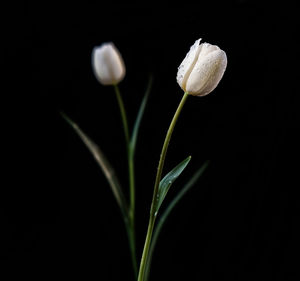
{"x": 108, "y": 64}
{"x": 202, "y": 69}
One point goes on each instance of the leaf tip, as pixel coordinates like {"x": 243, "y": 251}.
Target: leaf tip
{"x": 188, "y": 159}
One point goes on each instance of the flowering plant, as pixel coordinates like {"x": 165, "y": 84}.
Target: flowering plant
{"x": 198, "y": 75}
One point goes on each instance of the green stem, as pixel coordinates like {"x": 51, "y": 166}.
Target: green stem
{"x": 153, "y": 213}
{"x": 131, "y": 240}
{"x": 132, "y": 210}
{"x": 123, "y": 113}
{"x": 131, "y": 185}
{"x": 129, "y": 153}
{"x": 130, "y": 225}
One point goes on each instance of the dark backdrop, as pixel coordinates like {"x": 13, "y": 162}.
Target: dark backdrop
{"x": 58, "y": 216}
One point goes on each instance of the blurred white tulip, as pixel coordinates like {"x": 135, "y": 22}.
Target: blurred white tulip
{"x": 108, "y": 64}
{"x": 202, "y": 69}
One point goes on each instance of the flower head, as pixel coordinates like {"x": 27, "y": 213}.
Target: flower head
{"x": 202, "y": 69}
{"x": 108, "y": 64}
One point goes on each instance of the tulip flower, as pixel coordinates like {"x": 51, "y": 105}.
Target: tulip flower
{"x": 202, "y": 69}
{"x": 108, "y": 64}
{"x": 198, "y": 75}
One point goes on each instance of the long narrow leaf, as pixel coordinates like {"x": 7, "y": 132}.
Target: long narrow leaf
{"x": 168, "y": 180}
{"x": 103, "y": 163}
{"x": 140, "y": 116}
{"x": 168, "y": 210}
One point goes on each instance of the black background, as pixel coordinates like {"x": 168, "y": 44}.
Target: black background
{"x": 58, "y": 216}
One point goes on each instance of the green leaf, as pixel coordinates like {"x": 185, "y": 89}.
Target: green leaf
{"x": 103, "y": 163}
{"x": 168, "y": 210}
{"x": 168, "y": 180}
{"x": 140, "y": 116}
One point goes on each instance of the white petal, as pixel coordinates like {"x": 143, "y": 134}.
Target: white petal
{"x": 108, "y": 64}
{"x": 187, "y": 64}
{"x": 207, "y": 71}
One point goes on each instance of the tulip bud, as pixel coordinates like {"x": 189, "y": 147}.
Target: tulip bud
{"x": 108, "y": 65}
{"x": 202, "y": 69}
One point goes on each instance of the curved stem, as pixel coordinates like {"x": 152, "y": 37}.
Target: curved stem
{"x": 130, "y": 226}
{"x": 156, "y": 186}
